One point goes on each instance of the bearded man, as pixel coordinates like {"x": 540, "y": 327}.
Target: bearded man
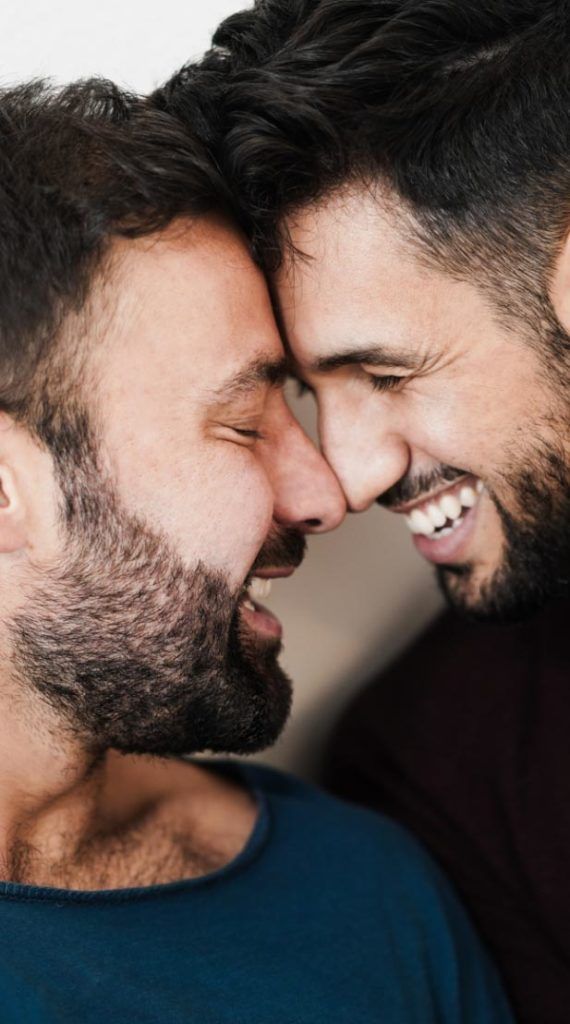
{"x": 402, "y": 168}
{"x": 150, "y": 473}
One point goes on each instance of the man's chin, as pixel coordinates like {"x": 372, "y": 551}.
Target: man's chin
{"x": 506, "y": 596}
{"x": 245, "y": 722}
{"x": 254, "y": 724}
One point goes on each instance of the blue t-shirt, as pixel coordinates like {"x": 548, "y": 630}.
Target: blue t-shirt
{"x": 330, "y": 915}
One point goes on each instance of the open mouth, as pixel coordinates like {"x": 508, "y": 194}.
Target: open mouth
{"x": 257, "y": 616}
{"x": 443, "y": 522}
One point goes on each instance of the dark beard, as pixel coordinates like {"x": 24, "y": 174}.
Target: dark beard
{"x": 536, "y": 565}
{"x": 136, "y": 652}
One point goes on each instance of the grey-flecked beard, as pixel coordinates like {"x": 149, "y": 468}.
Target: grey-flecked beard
{"x": 135, "y": 651}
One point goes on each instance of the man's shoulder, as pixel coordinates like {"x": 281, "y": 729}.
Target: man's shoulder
{"x": 362, "y": 876}
{"x": 298, "y": 798}
{"x": 355, "y": 841}
{"x": 292, "y": 795}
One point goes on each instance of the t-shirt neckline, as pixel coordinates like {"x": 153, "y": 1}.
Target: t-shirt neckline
{"x": 249, "y": 852}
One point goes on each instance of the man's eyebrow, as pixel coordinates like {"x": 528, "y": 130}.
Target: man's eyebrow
{"x": 259, "y": 372}
{"x": 375, "y": 356}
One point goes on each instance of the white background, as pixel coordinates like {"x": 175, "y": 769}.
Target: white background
{"x": 362, "y": 592}
{"x": 137, "y": 44}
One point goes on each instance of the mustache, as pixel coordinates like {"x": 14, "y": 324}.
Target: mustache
{"x": 283, "y": 547}
{"x": 411, "y": 488}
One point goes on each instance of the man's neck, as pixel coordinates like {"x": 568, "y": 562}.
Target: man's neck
{"x": 72, "y": 818}
{"x": 50, "y": 787}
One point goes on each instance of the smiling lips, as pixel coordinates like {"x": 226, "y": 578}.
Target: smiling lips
{"x": 438, "y": 516}
{"x": 259, "y": 618}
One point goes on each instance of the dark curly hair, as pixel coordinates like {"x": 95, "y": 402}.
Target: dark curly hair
{"x": 78, "y": 167}
{"x": 461, "y": 108}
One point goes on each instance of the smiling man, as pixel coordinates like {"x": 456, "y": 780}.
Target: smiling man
{"x": 411, "y": 414}
{"x": 151, "y": 479}
{"x": 403, "y": 172}
{"x": 416, "y": 239}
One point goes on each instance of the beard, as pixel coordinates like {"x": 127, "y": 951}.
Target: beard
{"x": 135, "y": 651}
{"x": 535, "y": 567}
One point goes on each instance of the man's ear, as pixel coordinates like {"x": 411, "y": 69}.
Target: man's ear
{"x": 13, "y": 533}
{"x": 25, "y": 476}
{"x": 560, "y": 286}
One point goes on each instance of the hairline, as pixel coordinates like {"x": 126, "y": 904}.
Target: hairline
{"x": 521, "y": 309}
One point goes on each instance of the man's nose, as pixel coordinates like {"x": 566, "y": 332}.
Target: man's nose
{"x": 366, "y": 461}
{"x": 308, "y": 496}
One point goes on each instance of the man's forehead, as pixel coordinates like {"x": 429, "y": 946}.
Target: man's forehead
{"x": 193, "y": 315}
{"x": 391, "y": 316}
{"x": 331, "y": 343}
{"x": 361, "y": 281}
{"x": 359, "y": 226}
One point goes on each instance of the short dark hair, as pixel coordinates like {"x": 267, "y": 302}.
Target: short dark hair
{"x": 79, "y": 166}
{"x": 461, "y": 108}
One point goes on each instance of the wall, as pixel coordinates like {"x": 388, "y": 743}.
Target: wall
{"x": 361, "y": 595}
{"x": 135, "y": 42}
{"x": 362, "y": 592}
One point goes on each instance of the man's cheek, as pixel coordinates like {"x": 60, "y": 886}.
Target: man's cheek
{"x": 240, "y": 522}
{"x": 453, "y": 433}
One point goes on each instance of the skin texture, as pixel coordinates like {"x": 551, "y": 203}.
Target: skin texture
{"x": 473, "y": 398}
{"x": 179, "y": 314}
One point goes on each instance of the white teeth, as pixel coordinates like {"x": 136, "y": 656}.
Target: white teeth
{"x": 436, "y": 515}
{"x": 467, "y": 497}
{"x": 249, "y": 605}
{"x": 451, "y": 506}
{"x": 259, "y": 588}
{"x": 419, "y": 522}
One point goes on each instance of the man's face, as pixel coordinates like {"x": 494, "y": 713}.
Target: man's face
{"x": 195, "y": 477}
{"x": 428, "y": 405}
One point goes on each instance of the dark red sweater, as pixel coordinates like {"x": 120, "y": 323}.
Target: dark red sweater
{"x": 467, "y": 741}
